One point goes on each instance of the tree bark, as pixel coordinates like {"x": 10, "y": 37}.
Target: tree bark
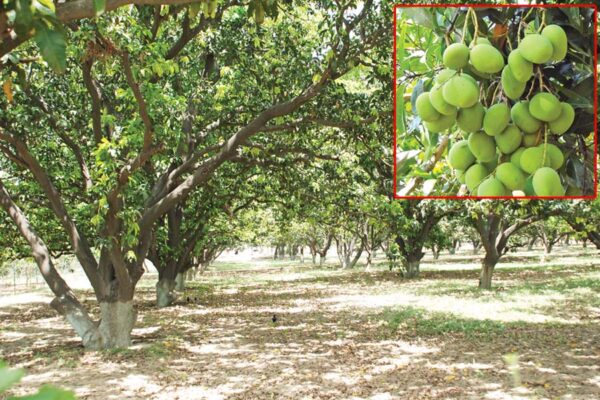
{"x": 487, "y": 270}
{"x": 180, "y": 282}
{"x": 165, "y": 292}
{"x": 412, "y": 268}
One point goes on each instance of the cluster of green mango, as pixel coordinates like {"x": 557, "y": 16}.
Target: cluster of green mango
{"x": 504, "y": 150}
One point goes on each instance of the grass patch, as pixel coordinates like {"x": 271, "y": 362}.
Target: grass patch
{"x": 423, "y": 323}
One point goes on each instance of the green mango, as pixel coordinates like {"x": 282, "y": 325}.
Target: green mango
{"x": 562, "y": 124}
{"x": 456, "y": 56}
{"x": 509, "y": 139}
{"x": 521, "y": 117}
{"x": 546, "y": 182}
{"x": 496, "y": 119}
{"x": 491, "y": 187}
{"x": 459, "y": 156}
{"x": 513, "y": 89}
{"x": 557, "y": 36}
{"x": 437, "y": 101}
{"x": 536, "y": 48}
{"x": 471, "y": 119}
{"x": 545, "y": 107}
{"x": 482, "y": 146}
{"x": 460, "y": 91}
{"x": 521, "y": 69}
{"x": 486, "y": 59}
{"x": 425, "y": 109}
{"x": 511, "y": 176}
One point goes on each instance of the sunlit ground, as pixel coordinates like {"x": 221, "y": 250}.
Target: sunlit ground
{"x": 339, "y": 334}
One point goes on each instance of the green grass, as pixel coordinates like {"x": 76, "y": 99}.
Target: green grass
{"x": 424, "y": 323}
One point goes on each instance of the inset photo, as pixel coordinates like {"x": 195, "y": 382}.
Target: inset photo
{"x": 495, "y": 102}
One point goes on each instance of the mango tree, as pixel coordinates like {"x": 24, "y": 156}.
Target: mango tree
{"x": 137, "y": 151}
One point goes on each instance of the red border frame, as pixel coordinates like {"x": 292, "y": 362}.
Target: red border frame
{"x": 594, "y": 7}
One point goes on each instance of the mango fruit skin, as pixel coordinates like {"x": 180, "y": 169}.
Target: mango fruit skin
{"x": 482, "y": 146}
{"x": 459, "y": 156}
{"x": 520, "y": 115}
{"x": 515, "y": 157}
{"x": 491, "y": 165}
{"x": 496, "y": 119}
{"x": 443, "y": 76}
{"x": 456, "y": 56}
{"x": 532, "y": 159}
{"x": 461, "y": 91}
{"x": 536, "y": 48}
{"x": 531, "y": 140}
{"x": 437, "y": 101}
{"x": 511, "y": 176}
{"x": 546, "y": 182}
{"x": 513, "y": 89}
{"x": 491, "y": 187}
{"x": 554, "y": 154}
{"x": 442, "y": 123}
{"x": 474, "y": 175}
{"x": 558, "y": 38}
{"x": 486, "y": 59}
{"x": 425, "y": 109}
{"x": 521, "y": 69}
{"x": 509, "y": 139}
{"x": 529, "y": 186}
{"x": 460, "y": 175}
{"x": 471, "y": 119}
{"x": 479, "y": 40}
{"x": 564, "y": 121}
{"x": 545, "y": 107}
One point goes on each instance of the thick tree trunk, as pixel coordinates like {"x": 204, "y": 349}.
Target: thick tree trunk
{"x": 180, "y": 282}
{"x": 116, "y": 324}
{"x": 487, "y": 270}
{"x": 321, "y": 260}
{"x": 412, "y": 268}
{"x": 165, "y": 292}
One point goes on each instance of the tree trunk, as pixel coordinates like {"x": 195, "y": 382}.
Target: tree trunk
{"x": 321, "y": 260}
{"x": 180, "y": 282}
{"x": 369, "y": 260}
{"x": 165, "y": 292}
{"x": 487, "y": 270}
{"x": 530, "y": 244}
{"x": 412, "y": 268}
{"x": 356, "y": 257}
{"x": 116, "y": 323}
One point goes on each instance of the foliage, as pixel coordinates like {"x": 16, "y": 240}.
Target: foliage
{"x": 9, "y": 377}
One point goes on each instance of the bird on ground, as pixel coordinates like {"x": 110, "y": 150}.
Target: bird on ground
{"x": 274, "y": 318}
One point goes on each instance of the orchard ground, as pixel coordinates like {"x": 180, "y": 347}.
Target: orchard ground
{"x": 339, "y": 334}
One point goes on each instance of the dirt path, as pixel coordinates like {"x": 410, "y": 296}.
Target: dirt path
{"x": 324, "y": 345}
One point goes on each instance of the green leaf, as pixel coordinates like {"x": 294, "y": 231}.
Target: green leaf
{"x": 48, "y": 393}
{"x": 9, "y": 377}
{"x": 23, "y": 17}
{"x": 194, "y": 10}
{"x": 53, "y": 47}
{"x": 99, "y": 6}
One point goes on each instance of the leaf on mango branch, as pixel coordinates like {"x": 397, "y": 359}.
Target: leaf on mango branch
{"x": 99, "y": 6}
{"x": 52, "y": 46}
